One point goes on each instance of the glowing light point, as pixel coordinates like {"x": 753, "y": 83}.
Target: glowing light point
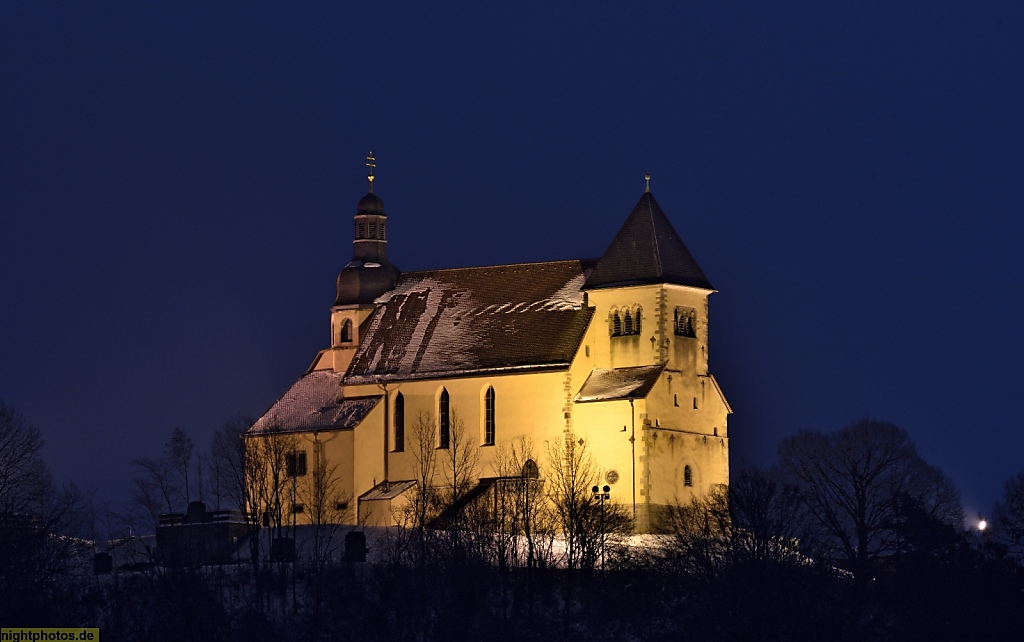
{"x": 982, "y": 525}
{"x": 647, "y": 182}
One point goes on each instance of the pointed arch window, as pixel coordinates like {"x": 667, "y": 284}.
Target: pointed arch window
{"x": 444, "y": 426}
{"x": 627, "y": 327}
{"x": 489, "y": 417}
{"x": 530, "y": 470}
{"x": 346, "y": 331}
{"x": 687, "y": 476}
{"x": 399, "y": 422}
{"x": 636, "y": 321}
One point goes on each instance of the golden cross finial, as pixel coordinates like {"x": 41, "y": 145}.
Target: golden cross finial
{"x": 371, "y": 163}
{"x": 647, "y": 180}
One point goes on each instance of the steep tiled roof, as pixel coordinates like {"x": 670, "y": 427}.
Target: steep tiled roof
{"x": 619, "y": 383}
{"x": 475, "y": 320}
{"x": 647, "y": 249}
{"x": 312, "y": 404}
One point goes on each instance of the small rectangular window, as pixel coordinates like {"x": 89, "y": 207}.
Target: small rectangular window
{"x": 298, "y": 508}
{"x": 295, "y": 463}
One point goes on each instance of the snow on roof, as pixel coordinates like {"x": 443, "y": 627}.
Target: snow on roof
{"x": 387, "y": 490}
{"x": 312, "y": 403}
{"x": 474, "y": 320}
{"x": 619, "y": 383}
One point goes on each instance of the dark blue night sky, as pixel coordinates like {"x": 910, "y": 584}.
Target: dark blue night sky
{"x": 177, "y": 182}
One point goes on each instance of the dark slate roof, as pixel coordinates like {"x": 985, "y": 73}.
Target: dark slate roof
{"x": 362, "y": 282}
{"x": 475, "y": 320}
{"x": 312, "y": 403}
{"x": 619, "y": 383}
{"x": 370, "y": 204}
{"x": 647, "y": 249}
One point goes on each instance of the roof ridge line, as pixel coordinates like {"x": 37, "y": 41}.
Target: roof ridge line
{"x": 499, "y": 265}
{"x": 654, "y": 234}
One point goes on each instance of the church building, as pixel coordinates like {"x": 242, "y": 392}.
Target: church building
{"x": 611, "y": 353}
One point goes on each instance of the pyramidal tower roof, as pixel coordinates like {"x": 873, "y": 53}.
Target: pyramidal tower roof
{"x": 647, "y": 249}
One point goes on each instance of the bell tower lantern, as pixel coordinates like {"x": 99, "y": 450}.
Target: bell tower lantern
{"x": 367, "y": 276}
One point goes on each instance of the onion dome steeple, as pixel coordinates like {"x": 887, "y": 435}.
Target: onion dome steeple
{"x": 369, "y": 274}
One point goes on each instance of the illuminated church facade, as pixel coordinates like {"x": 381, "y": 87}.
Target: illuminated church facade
{"x": 611, "y": 353}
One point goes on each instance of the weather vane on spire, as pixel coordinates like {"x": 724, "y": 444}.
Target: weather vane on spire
{"x": 371, "y": 163}
{"x": 647, "y": 181}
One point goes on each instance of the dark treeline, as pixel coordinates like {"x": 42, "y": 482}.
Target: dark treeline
{"x": 849, "y": 536}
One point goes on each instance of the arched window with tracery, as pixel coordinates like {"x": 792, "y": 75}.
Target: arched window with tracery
{"x": 627, "y": 326}
{"x": 489, "y": 417}
{"x": 616, "y": 325}
{"x": 399, "y": 422}
{"x": 444, "y": 426}
{"x": 636, "y": 321}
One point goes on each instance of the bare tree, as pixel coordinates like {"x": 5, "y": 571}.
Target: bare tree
{"x": 279, "y": 489}
{"x": 326, "y": 506}
{"x": 179, "y": 452}
{"x": 154, "y": 491}
{"x": 1009, "y": 515}
{"x": 855, "y": 482}
{"x": 755, "y": 518}
{"x": 423, "y": 439}
{"x": 37, "y": 566}
{"x": 583, "y": 521}
{"x": 459, "y": 468}
{"x": 23, "y": 475}
{"x": 521, "y": 513}
{"x": 767, "y": 515}
{"x": 701, "y": 534}
{"x": 240, "y": 476}
{"x": 162, "y": 483}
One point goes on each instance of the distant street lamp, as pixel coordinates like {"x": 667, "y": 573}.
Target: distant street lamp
{"x": 602, "y": 495}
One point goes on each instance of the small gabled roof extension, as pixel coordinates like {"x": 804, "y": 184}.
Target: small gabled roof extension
{"x": 500, "y": 318}
{"x": 613, "y": 384}
{"x": 646, "y": 250}
{"x": 312, "y": 403}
